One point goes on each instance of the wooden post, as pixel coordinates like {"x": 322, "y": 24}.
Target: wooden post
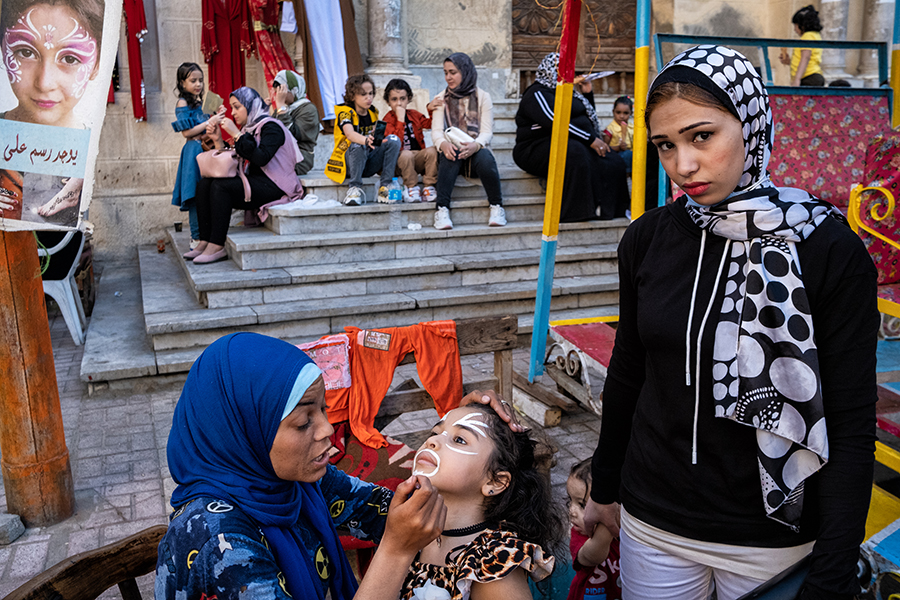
{"x": 35, "y": 463}
{"x": 559, "y": 143}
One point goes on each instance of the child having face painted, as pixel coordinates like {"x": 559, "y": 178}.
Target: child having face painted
{"x": 501, "y": 519}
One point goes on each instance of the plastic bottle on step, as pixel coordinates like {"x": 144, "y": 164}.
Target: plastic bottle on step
{"x": 395, "y": 191}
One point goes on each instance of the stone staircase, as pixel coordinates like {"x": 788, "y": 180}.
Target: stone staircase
{"x": 312, "y": 271}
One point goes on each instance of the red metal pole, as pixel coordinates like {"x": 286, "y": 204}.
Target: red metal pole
{"x": 36, "y": 473}
{"x": 568, "y": 46}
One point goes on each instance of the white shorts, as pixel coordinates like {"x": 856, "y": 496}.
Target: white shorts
{"x": 659, "y": 565}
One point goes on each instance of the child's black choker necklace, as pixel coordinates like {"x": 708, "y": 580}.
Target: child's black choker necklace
{"x": 464, "y": 531}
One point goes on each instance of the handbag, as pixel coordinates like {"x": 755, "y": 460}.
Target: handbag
{"x": 457, "y": 136}
{"x": 221, "y": 164}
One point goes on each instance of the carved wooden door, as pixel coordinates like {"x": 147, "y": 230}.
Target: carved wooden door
{"x": 606, "y": 39}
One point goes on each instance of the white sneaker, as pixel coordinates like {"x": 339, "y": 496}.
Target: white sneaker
{"x": 355, "y": 196}
{"x": 429, "y": 194}
{"x": 411, "y": 194}
{"x": 442, "y": 218}
{"x": 498, "y": 216}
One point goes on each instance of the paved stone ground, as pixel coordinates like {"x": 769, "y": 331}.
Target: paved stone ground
{"x": 117, "y": 439}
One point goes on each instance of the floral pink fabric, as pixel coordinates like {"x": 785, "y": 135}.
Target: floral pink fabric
{"x": 820, "y": 142}
{"x": 882, "y": 170}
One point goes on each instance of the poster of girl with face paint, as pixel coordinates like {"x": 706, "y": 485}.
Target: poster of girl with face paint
{"x": 57, "y": 59}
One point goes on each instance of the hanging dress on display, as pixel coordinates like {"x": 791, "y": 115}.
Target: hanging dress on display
{"x": 136, "y": 28}
{"x": 225, "y": 41}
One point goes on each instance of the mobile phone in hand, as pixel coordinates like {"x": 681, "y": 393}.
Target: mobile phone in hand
{"x": 378, "y": 133}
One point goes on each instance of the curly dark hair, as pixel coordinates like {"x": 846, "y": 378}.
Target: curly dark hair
{"x": 397, "y": 84}
{"x": 354, "y": 86}
{"x": 807, "y": 19}
{"x": 526, "y": 506}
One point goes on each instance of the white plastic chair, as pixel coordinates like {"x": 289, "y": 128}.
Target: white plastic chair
{"x": 65, "y": 291}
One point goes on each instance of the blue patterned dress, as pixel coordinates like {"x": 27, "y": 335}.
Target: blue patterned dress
{"x": 214, "y": 550}
{"x": 188, "y": 171}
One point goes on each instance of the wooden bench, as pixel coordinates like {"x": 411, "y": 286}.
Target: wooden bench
{"x": 87, "y": 575}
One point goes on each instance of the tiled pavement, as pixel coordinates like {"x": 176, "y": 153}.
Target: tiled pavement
{"x": 117, "y": 439}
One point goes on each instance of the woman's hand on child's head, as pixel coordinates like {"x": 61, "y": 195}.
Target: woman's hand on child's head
{"x": 415, "y": 518}
{"x": 605, "y": 514}
{"x": 500, "y": 406}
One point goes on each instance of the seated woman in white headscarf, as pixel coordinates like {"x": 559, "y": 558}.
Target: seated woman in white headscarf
{"x": 291, "y": 106}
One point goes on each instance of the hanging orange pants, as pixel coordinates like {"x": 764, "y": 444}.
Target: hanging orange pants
{"x": 372, "y": 371}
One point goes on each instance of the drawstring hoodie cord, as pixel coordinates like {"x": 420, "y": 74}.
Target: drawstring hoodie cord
{"x": 687, "y": 335}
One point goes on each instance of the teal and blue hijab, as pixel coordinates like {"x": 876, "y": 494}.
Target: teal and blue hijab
{"x": 225, "y": 422}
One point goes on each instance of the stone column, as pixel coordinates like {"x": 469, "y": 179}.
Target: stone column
{"x": 833, "y": 15}
{"x": 387, "y": 44}
{"x": 877, "y": 27}
{"x": 387, "y": 52}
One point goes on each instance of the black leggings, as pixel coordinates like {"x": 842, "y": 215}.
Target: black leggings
{"x": 217, "y": 197}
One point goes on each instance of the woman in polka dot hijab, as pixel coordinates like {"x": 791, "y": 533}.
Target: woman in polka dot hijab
{"x": 766, "y": 372}
{"x": 772, "y": 297}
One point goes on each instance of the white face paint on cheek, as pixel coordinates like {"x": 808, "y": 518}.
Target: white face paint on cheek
{"x": 437, "y": 461}
{"x": 457, "y": 450}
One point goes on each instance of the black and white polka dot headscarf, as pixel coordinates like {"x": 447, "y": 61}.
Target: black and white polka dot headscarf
{"x": 547, "y": 74}
{"x": 765, "y": 362}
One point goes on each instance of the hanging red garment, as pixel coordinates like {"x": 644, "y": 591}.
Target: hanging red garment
{"x": 224, "y": 41}
{"x": 271, "y": 51}
{"x": 136, "y": 28}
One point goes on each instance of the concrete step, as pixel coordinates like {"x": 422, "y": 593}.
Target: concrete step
{"x": 293, "y": 219}
{"x": 308, "y": 318}
{"x": 224, "y": 285}
{"x": 263, "y": 249}
{"x": 513, "y": 182}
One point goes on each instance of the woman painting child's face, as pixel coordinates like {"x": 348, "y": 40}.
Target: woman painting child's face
{"x": 701, "y": 148}
{"x": 49, "y": 58}
{"x": 456, "y": 455}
